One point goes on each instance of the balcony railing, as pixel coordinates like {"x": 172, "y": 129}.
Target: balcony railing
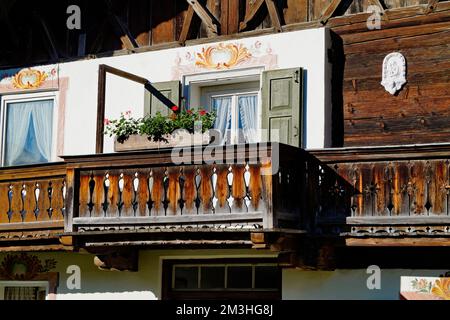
{"x": 246, "y": 187}
{"x": 32, "y": 202}
{"x": 394, "y": 191}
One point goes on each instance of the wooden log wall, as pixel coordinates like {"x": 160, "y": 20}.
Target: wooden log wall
{"x": 420, "y": 112}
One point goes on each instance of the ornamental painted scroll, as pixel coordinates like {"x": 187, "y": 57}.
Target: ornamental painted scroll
{"x": 394, "y": 72}
{"x": 24, "y": 267}
{"x": 29, "y": 79}
{"x": 222, "y": 56}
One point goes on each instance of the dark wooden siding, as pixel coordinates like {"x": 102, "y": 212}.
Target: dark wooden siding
{"x": 420, "y": 112}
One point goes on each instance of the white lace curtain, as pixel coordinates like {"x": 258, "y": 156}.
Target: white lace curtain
{"x": 29, "y": 132}
{"x": 248, "y": 112}
{"x": 222, "y": 108}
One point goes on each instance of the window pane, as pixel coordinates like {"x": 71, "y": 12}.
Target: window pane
{"x": 22, "y": 293}
{"x": 213, "y": 278}
{"x": 28, "y": 132}
{"x": 266, "y": 277}
{"x": 240, "y": 277}
{"x": 186, "y": 277}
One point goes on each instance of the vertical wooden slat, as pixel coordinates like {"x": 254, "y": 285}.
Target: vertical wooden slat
{"x": 222, "y": 190}
{"x": 4, "y": 202}
{"x": 43, "y": 203}
{"x": 190, "y": 191}
{"x": 157, "y": 192}
{"x": 255, "y": 188}
{"x": 128, "y": 194}
{"x": 113, "y": 195}
{"x": 84, "y": 195}
{"x": 57, "y": 201}
{"x": 98, "y": 195}
{"x": 238, "y": 189}
{"x": 143, "y": 194}
{"x": 419, "y": 196}
{"x": 29, "y": 204}
{"x": 16, "y": 203}
{"x": 380, "y": 186}
{"x": 206, "y": 190}
{"x": 174, "y": 191}
{"x": 438, "y": 193}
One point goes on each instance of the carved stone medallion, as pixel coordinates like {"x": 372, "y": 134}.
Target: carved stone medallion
{"x": 394, "y": 72}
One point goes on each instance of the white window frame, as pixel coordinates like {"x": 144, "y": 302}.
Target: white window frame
{"x": 235, "y": 94}
{"x": 27, "y": 97}
{"x": 39, "y": 284}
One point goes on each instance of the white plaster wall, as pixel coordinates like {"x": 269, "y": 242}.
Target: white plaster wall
{"x": 345, "y": 284}
{"x": 114, "y": 285}
{"x": 305, "y": 48}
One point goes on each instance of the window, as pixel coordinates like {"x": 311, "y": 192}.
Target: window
{"x": 211, "y": 279}
{"x": 18, "y": 290}
{"x": 27, "y": 129}
{"x": 237, "y": 117}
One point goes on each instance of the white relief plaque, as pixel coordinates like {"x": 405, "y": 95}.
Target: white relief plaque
{"x": 394, "y": 72}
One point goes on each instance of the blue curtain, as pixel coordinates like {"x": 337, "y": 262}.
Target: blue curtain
{"x": 28, "y": 132}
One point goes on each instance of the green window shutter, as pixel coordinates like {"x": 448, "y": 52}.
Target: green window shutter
{"x": 170, "y": 89}
{"x": 282, "y": 105}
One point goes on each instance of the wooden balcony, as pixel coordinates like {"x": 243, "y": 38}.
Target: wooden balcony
{"x": 32, "y": 207}
{"x": 121, "y": 198}
{"x": 389, "y": 193}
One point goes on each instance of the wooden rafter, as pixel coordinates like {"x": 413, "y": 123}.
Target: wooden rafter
{"x": 431, "y": 6}
{"x": 126, "y": 37}
{"x": 206, "y": 16}
{"x": 274, "y": 15}
{"x": 329, "y": 11}
{"x": 187, "y": 25}
{"x": 250, "y": 14}
{"x": 272, "y": 8}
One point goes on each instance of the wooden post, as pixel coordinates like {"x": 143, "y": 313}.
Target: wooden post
{"x": 100, "y": 108}
{"x": 72, "y": 187}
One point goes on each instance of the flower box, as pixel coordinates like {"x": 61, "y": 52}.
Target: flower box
{"x": 181, "y": 138}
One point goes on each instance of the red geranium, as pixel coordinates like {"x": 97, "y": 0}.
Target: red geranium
{"x": 202, "y": 112}
{"x": 189, "y": 111}
{"x": 175, "y": 108}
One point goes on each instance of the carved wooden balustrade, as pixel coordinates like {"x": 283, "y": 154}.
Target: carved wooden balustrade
{"x": 394, "y": 191}
{"x": 32, "y": 203}
{"x": 229, "y": 189}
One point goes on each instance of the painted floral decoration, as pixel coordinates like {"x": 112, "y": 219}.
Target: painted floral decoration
{"x": 32, "y": 266}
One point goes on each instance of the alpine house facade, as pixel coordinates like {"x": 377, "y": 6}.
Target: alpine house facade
{"x": 331, "y": 180}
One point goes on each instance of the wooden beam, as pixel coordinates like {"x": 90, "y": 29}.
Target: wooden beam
{"x": 329, "y": 11}
{"x": 249, "y": 15}
{"x": 398, "y": 242}
{"x": 101, "y": 100}
{"x": 274, "y": 15}
{"x": 431, "y": 6}
{"x": 206, "y": 16}
{"x": 187, "y": 25}
{"x": 125, "y": 35}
